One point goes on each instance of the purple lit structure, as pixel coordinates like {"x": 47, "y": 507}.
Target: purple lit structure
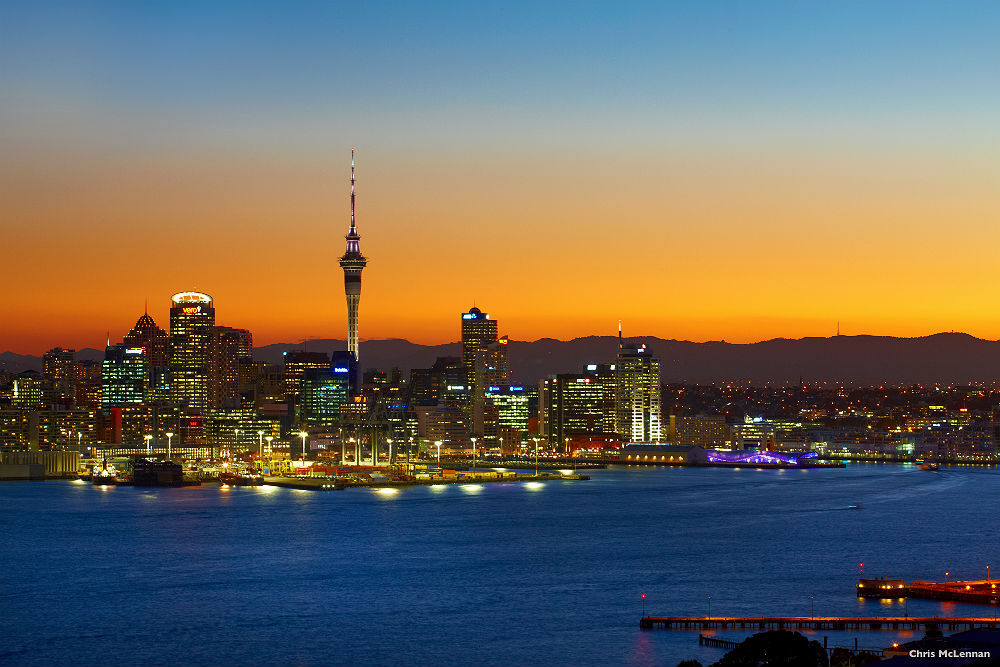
{"x": 753, "y": 456}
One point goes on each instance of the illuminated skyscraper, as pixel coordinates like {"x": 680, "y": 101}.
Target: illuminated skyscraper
{"x": 124, "y": 376}
{"x": 192, "y": 319}
{"x": 232, "y": 358}
{"x": 637, "y": 394}
{"x": 156, "y": 343}
{"x": 478, "y": 332}
{"x": 353, "y": 262}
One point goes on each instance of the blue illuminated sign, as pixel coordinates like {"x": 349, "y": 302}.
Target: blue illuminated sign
{"x": 340, "y": 369}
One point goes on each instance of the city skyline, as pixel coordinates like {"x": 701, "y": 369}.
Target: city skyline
{"x": 758, "y": 172}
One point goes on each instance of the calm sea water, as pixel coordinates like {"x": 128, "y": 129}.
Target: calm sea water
{"x": 513, "y": 574}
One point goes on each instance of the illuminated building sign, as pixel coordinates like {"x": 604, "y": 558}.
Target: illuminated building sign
{"x": 191, "y": 297}
{"x": 340, "y": 369}
{"x": 135, "y": 350}
{"x": 191, "y": 310}
{"x": 591, "y": 367}
{"x": 468, "y": 316}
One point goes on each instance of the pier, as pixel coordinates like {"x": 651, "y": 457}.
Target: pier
{"x": 974, "y": 592}
{"x": 815, "y": 623}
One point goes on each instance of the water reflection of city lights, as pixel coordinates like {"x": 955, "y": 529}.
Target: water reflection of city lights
{"x": 566, "y": 472}
{"x": 533, "y": 486}
{"x": 472, "y": 488}
{"x": 387, "y": 491}
{"x": 438, "y": 487}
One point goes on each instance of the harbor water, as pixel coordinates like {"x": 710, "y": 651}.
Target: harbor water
{"x": 482, "y": 574}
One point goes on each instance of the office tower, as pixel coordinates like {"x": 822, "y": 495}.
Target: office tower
{"x": 154, "y": 340}
{"x": 489, "y": 370}
{"x": 574, "y": 405}
{"x": 478, "y": 332}
{"x": 297, "y": 364}
{"x": 192, "y": 318}
{"x": 59, "y": 373}
{"x": 637, "y": 394}
{"x": 428, "y": 385}
{"x": 344, "y": 365}
{"x": 28, "y": 393}
{"x": 232, "y": 357}
{"x": 511, "y": 404}
{"x": 59, "y": 365}
{"x": 353, "y": 262}
{"x": 323, "y": 392}
{"x": 123, "y": 377}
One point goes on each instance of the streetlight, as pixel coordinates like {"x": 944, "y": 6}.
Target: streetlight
{"x": 149, "y": 444}
{"x": 357, "y": 452}
{"x": 269, "y": 438}
{"x": 536, "y": 456}
{"x": 501, "y": 447}
{"x": 473, "y": 455}
{"x": 260, "y": 448}
{"x": 236, "y": 444}
{"x": 79, "y": 441}
{"x": 643, "y": 605}
{"x": 303, "y": 434}
{"x": 169, "y": 434}
{"x": 438, "y": 443}
{"x": 389, "y": 442}
{"x": 343, "y": 450}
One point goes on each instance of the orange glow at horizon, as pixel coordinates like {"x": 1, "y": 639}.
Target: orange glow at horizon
{"x": 738, "y": 247}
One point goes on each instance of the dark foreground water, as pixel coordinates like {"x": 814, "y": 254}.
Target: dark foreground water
{"x": 513, "y": 574}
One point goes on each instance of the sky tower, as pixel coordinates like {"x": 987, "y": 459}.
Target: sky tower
{"x": 352, "y": 263}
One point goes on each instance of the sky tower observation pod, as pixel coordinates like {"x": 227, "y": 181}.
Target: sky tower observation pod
{"x": 191, "y": 297}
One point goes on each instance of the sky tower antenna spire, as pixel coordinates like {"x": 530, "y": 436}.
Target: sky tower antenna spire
{"x": 353, "y": 229}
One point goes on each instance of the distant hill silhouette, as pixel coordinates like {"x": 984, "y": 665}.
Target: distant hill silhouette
{"x": 858, "y": 360}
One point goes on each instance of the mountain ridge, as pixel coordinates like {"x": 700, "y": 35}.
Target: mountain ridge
{"x": 860, "y": 359}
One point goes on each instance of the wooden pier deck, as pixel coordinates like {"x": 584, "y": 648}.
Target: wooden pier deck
{"x": 815, "y": 623}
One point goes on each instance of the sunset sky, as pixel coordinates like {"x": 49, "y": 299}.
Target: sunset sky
{"x": 700, "y": 170}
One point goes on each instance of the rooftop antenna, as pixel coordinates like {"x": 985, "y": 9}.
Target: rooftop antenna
{"x": 353, "y": 229}
{"x": 619, "y": 335}
{"x": 109, "y": 339}
{"x": 838, "y": 327}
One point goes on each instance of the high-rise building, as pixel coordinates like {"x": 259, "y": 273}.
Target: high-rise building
{"x": 59, "y": 373}
{"x": 154, "y": 340}
{"x": 490, "y": 369}
{"x": 297, "y": 364}
{"x": 353, "y": 262}
{"x": 428, "y": 385}
{"x": 232, "y": 357}
{"x": 323, "y": 392}
{"x": 478, "y": 332}
{"x": 637, "y": 394}
{"x": 192, "y": 319}
{"x": 571, "y": 405}
{"x": 28, "y": 392}
{"x": 124, "y": 375}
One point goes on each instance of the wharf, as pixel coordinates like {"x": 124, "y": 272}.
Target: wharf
{"x": 816, "y": 622}
{"x": 983, "y": 591}
{"x": 341, "y": 483}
